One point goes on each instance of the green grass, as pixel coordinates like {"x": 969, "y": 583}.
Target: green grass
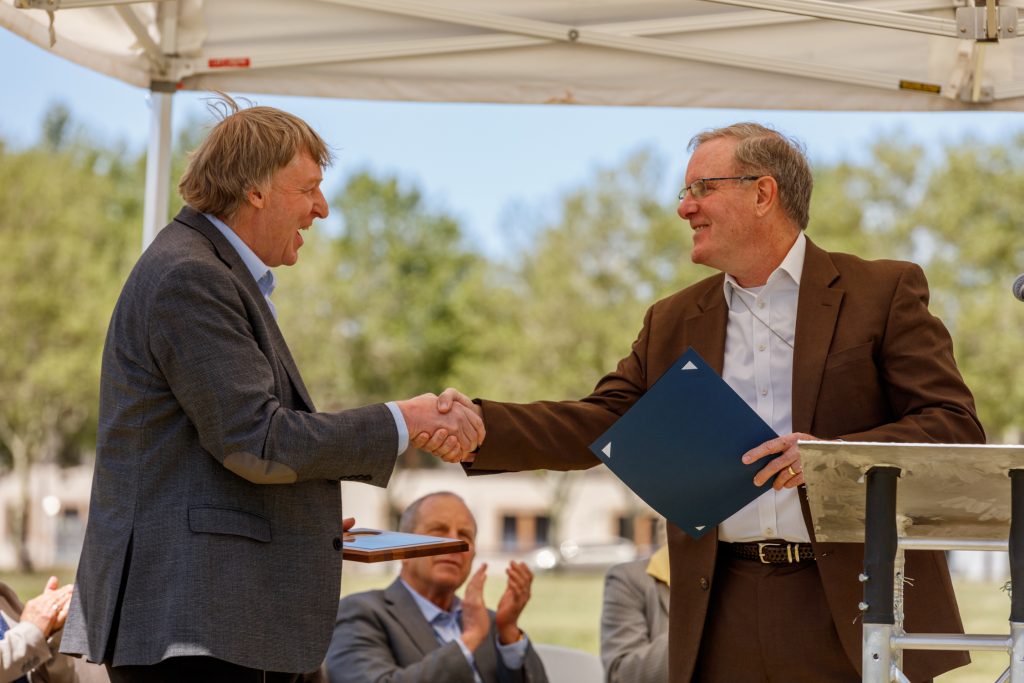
{"x": 565, "y": 609}
{"x": 985, "y": 609}
{"x": 30, "y": 585}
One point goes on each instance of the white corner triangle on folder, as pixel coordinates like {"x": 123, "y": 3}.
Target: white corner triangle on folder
{"x": 689, "y": 366}
{"x": 700, "y": 528}
{"x": 607, "y": 450}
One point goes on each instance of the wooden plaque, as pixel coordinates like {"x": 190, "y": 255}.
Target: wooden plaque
{"x": 373, "y": 545}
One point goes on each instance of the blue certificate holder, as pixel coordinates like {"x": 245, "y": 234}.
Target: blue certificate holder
{"x": 679, "y": 447}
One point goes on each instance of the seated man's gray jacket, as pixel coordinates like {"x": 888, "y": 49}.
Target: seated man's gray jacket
{"x": 381, "y": 636}
{"x": 634, "y": 625}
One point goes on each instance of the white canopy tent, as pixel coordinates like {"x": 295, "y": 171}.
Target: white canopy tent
{"x": 802, "y": 54}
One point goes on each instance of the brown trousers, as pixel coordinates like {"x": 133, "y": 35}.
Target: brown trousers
{"x": 770, "y": 624}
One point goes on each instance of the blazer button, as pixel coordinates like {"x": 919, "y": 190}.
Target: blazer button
{"x": 338, "y": 545}
{"x": 703, "y": 584}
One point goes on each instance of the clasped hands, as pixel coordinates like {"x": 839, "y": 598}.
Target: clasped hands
{"x": 449, "y": 426}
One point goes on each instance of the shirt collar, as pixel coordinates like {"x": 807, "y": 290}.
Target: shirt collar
{"x": 429, "y": 609}
{"x": 791, "y": 266}
{"x": 256, "y": 267}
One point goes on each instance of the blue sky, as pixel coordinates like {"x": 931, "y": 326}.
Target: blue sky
{"x": 482, "y": 163}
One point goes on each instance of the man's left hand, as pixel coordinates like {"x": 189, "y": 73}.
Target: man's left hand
{"x": 787, "y": 465}
{"x": 513, "y": 600}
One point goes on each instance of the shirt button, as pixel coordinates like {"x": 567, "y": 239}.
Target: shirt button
{"x": 764, "y": 392}
{"x": 760, "y": 304}
{"x": 760, "y": 347}
{"x": 703, "y": 584}
{"x": 769, "y": 532}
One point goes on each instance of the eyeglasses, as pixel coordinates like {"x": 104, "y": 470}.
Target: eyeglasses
{"x": 699, "y": 187}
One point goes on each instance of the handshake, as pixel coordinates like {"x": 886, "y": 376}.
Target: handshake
{"x": 449, "y": 426}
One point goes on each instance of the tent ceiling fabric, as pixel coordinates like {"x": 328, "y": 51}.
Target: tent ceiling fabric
{"x": 607, "y": 52}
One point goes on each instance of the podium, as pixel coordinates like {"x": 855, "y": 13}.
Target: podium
{"x": 896, "y": 496}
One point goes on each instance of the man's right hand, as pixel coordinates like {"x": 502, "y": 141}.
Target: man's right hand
{"x": 450, "y": 434}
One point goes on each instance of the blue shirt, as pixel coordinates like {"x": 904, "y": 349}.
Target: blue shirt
{"x": 266, "y": 281}
{"x": 447, "y": 627}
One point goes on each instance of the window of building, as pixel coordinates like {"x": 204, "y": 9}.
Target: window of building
{"x": 524, "y": 532}
{"x": 641, "y": 529}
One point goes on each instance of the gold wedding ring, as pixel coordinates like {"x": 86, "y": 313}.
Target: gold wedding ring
{"x": 791, "y": 472}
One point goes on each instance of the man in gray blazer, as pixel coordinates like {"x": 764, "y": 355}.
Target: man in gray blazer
{"x": 213, "y": 546}
{"x": 418, "y": 630}
{"x": 634, "y": 621}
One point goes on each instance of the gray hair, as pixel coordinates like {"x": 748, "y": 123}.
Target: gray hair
{"x": 764, "y": 151}
{"x": 411, "y": 516}
{"x": 242, "y": 152}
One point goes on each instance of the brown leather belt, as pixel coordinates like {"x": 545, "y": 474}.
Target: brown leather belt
{"x": 772, "y": 552}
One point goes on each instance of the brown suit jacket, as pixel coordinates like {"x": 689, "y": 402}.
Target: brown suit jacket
{"x": 871, "y": 364}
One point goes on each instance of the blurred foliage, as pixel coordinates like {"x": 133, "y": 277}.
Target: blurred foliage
{"x": 69, "y": 209}
{"x": 572, "y": 304}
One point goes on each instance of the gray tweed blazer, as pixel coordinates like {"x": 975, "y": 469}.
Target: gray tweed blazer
{"x": 215, "y": 515}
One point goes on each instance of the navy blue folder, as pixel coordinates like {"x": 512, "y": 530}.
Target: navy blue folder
{"x": 679, "y": 447}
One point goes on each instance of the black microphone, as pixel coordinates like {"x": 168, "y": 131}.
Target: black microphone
{"x": 1018, "y": 288}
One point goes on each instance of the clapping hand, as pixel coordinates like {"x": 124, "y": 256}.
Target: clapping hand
{"x": 475, "y": 622}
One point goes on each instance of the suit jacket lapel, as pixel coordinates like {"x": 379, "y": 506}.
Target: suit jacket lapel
{"x": 816, "y": 316}
{"x": 403, "y": 608}
{"x": 485, "y": 658}
{"x": 705, "y": 331}
{"x": 230, "y": 257}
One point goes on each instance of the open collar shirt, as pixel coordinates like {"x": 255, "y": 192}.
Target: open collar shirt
{"x": 759, "y": 367}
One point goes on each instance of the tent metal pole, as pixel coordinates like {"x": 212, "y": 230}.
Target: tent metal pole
{"x": 158, "y": 162}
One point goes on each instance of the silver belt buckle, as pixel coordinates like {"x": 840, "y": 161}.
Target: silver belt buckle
{"x": 760, "y": 550}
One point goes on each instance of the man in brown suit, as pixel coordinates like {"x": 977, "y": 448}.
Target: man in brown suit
{"x": 818, "y": 343}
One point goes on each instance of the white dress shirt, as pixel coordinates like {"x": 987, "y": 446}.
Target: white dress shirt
{"x": 759, "y": 367}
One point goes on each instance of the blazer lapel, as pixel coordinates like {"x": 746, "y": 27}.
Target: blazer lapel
{"x": 485, "y": 658}
{"x": 404, "y": 610}
{"x": 705, "y": 331}
{"x": 816, "y": 316}
{"x": 230, "y": 257}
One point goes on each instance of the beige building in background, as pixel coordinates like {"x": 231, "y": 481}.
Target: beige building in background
{"x": 586, "y": 518}
{"x": 518, "y": 513}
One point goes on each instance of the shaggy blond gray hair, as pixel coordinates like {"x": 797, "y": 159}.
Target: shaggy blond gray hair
{"x": 242, "y": 152}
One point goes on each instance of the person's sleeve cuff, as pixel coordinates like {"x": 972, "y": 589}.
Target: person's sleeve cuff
{"x": 513, "y": 654}
{"x": 403, "y": 431}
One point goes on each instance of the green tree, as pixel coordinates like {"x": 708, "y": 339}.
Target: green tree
{"x": 571, "y": 305}
{"x": 966, "y": 231}
{"x": 69, "y": 221}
